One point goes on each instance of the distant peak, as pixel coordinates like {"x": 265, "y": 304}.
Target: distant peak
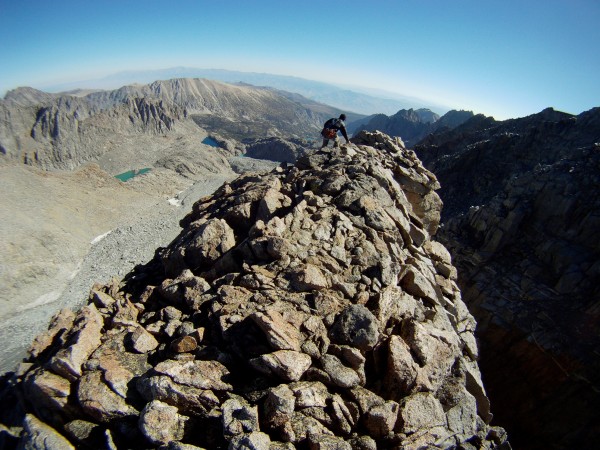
{"x": 27, "y": 96}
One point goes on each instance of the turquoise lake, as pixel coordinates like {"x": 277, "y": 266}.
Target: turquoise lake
{"x": 210, "y": 141}
{"x": 125, "y": 176}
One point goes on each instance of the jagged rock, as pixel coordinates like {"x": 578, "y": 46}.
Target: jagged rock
{"x": 435, "y": 351}
{"x": 462, "y": 417}
{"x": 239, "y": 418}
{"x": 304, "y": 426}
{"x": 380, "y": 420}
{"x": 187, "y": 399}
{"x": 212, "y": 239}
{"x": 251, "y": 441}
{"x": 47, "y": 390}
{"x": 100, "y": 401}
{"x": 420, "y": 411}
{"x": 418, "y": 285}
{"x": 160, "y": 423}
{"x": 402, "y": 369}
{"x": 279, "y": 405}
{"x": 280, "y": 334}
{"x": 344, "y": 415}
{"x": 102, "y": 299}
{"x": 270, "y": 203}
{"x": 286, "y": 364}
{"x": 363, "y": 443}
{"x": 83, "y": 340}
{"x": 309, "y": 278}
{"x": 325, "y": 442}
{"x": 309, "y": 394}
{"x": 307, "y": 307}
{"x": 339, "y": 374}
{"x": 59, "y": 324}
{"x": 118, "y": 366}
{"x": 125, "y": 315}
{"x": 142, "y": 341}
{"x": 85, "y": 433}
{"x": 184, "y": 344}
{"x": 38, "y": 435}
{"x": 198, "y": 374}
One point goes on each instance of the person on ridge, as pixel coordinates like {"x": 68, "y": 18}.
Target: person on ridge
{"x": 331, "y": 128}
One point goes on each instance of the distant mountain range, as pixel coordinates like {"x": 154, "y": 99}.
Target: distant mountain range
{"x": 355, "y": 99}
{"x": 411, "y": 125}
{"x": 67, "y": 129}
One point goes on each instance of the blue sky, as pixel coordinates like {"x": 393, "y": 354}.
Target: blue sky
{"x": 506, "y": 58}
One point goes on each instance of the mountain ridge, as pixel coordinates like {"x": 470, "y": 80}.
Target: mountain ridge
{"x": 520, "y": 217}
{"x": 61, "y": 131}
{"x": 345, "y": 98}
{"x": 411, "y": 125}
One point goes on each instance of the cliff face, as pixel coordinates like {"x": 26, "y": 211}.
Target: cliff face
{"x": 306, "y": 307}
{"x": 528, "y": 262}
{"x": 63, "y": 132}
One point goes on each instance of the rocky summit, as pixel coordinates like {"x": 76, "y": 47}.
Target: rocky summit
{"x": 308, "y": 307}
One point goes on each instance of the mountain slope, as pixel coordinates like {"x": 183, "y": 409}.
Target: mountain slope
{"x": 521, "y": 214}
{"x": 489, "y": 152}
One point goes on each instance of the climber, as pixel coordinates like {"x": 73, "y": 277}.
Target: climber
{"x": 331, "y": 128}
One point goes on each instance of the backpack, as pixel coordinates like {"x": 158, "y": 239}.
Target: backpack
{"x": 329, "y": 133}
{"x": 330, "y": 129}
{"x": 331, "y": 123}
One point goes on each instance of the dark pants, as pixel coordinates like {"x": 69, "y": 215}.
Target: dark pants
{"x": 336, "y": 142}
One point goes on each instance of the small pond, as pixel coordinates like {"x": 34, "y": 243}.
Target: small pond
{"x": 210, "y": 141}
{"x": 126, "y": 176}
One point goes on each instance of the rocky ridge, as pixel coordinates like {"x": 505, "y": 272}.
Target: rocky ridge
{"x": 306, "y": 307}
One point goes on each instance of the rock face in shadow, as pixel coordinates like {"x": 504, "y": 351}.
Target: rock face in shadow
{"x": 308, "y": 307}
{"x": 276, "y": 149}
{"x": 411, "y": 125}
{"x": 528, "y": 263}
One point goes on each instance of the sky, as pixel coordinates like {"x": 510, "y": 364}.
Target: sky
{"x": 504, "y": 58}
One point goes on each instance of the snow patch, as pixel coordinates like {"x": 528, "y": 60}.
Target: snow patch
{"x": 41, "y": 300}
{"x": 176, "y": 201}
{"x": 99, "y": 238}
